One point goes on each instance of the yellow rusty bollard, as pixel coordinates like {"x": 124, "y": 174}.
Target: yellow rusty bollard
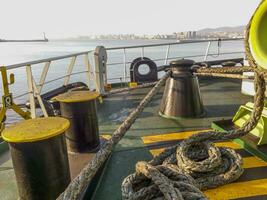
{"x": 79, "y": 107}
{"x": 39, "y": 155}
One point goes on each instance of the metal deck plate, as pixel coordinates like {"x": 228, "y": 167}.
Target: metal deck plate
{"x": 221, "y": 99}
{"x": 251, "y": 185}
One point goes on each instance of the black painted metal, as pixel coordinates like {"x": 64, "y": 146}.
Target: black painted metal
{"x": 83, "y": 134}
{"x": 136, "y": 76}
{"x": 53, "y": 107}
{"x": 41, "y": 168}
{"x": 181, "y": 96}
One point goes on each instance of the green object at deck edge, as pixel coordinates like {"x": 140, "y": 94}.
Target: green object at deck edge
{"x": 242, "y": 143}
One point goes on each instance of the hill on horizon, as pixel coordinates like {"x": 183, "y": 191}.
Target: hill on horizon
{"x": 224, "y": 29}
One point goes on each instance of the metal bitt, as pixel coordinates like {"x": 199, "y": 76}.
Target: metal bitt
{"x": 80, "y": 108}
{"x": 100, "y": 57}
{"x": 39, "y": 155}
{"x": 181, "y": 96}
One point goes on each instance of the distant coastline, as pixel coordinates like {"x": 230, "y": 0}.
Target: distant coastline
{"x": 37, "y": 40}
{"x": 42, "y": 40}
{"x": 203, "y": 34}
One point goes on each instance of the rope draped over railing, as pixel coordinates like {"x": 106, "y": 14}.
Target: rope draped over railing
{"x": 80, "y": 183}
{"x": 233, "y": 76}
{"x": 195, "y": 164}
{"x": 127, "y": 89}
{"x": 225, "y": 70}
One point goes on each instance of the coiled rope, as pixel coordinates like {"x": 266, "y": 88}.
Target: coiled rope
{"x": 196, "y": 158}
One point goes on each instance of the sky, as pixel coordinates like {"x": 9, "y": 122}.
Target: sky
{"x": 23, "y": 19}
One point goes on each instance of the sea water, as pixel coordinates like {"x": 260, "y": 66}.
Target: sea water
{"x": 14, "y": 53}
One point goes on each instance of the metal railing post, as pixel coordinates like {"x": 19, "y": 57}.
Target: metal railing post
{"x": 207, "y": 52}
{"x": 167, "y": 55}
{"x": 100, "y": 56}
{"x": 87, "y": 68}
{"x": 124, "y": 64}
{"x": 70, "y": 68}
{"x": 43, "y": 76}
{"x": 38, "y": 96}
{"x": 31, "y": 90}
{"x": 142, "y": 52}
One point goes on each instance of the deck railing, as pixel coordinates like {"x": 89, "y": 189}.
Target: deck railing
{"x": 93, "y": 69}
{"x": 35, "y": 88}
{"x": 166, "y": 58}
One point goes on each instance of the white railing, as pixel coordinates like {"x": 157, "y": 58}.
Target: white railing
{"x": 167, "y": 57}
{"x": 35, "y": 87}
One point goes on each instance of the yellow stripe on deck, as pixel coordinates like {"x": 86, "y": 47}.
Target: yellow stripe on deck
{"x": 251, "y": 162}
{"x": 230, "y": 191}
{"x": 238, "y": 190}
{"x": 170, "y": 136}
{"x": 107, "y": 137}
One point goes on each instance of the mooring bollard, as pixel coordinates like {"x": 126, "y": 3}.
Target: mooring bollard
{"x": 39, "y": 155}
{"x": 79, "y": 107}
{"x": 181, "y": 96}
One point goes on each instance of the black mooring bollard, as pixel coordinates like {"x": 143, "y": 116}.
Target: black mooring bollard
{"x": 181, "y": 96}
{"x": 39, "y": 156}
{"x": 79, "y": 107}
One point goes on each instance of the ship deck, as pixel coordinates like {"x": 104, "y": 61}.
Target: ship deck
{"x": 151, "y": 133}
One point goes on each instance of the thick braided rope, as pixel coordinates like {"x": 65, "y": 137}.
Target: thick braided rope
{"x": 197, "y": 157}
{"x": 80, "y": 183}
{"x": 232, "y": 76}
{"x": 159, "y": 182}
{"x": 127, "y": 89}
{"x": 225, "y": 70}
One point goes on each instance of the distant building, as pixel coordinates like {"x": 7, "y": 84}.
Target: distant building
{"x": 194, "y": 35}
{"x": 189, "y": 35}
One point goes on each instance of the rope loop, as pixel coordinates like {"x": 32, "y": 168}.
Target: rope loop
{"x": 197, "y": 157}
{"x": 160, "y": 182}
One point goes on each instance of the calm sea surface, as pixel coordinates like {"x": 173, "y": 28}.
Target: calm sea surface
{"x": 13, "y": 53}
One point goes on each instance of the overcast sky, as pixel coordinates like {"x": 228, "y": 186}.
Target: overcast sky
{"x": 66, "y": 18}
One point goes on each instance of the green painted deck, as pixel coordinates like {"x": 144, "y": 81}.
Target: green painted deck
{"x": 221, "y": 98}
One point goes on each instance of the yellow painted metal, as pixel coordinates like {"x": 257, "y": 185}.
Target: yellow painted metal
{"x": 35, "y": 129}
{"x": 23, "y": 114}
{"x": 253, "y": 162}
{"x": 258, "y": 33}
{"x": 243, "y": 115}
{"x": 100, "y": 99}
{"x": 170, "y": 136}
{"x": 7, "y": 94}
{"x": 180, "y": 136}
{"x": 238, "y": 190}
{"x": 107, "y": 87}
{"x": 2, "y": 114}
{"x": 2, "y": 127}
{"x": 12, "y": 79}
{"x": 230, "y": 191}
{"x": 76, "y": 96}
{"x": 4, "y": 80}
{"x": 132, "y": 84}
{"x": 249, "y": 162}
